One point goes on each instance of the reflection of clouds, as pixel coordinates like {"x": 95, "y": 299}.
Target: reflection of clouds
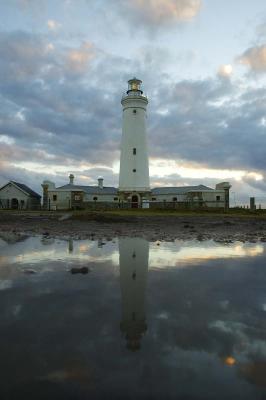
{"x": 246, "y": 345}
{"x": 16, "y": 309}
{"x": 84, "y": 252}
{"x": 171, "y": 255}
{"x": 5, "y": 284}
{"x": 37, "y": 257}
{"x": 177, "y": 253}
{"x": 254, "y": 372}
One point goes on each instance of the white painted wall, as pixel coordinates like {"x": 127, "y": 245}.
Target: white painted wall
{"x": 10, "y": 192}
{"x": 62, "y": 201}
{"x": 101, "y": 197}
{"x": 134, "y": 136}
{"x": 64, "y": 197}
{"x": 209, "y": 197}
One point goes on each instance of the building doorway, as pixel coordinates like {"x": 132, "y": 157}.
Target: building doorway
{"x": 14, "y": 204}
{"x": 134, "y": 201}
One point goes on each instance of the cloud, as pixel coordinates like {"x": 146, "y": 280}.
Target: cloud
{"x": 261, "y": 30}
{"x": 225, "y": 71}
{"x": 60, "y": 110}
{"x": 254, "y": 58}
{"x": 78, "y": 59}
{"x": 163, "y": 11}
{"x": 53, "y": 25}
{"x": 256, "y": 184}
{"x": 209, "y": 122}
{"x": 158, "y": 13}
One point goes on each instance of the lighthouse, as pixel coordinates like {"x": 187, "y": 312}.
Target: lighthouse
{"x": 134, "y": 181}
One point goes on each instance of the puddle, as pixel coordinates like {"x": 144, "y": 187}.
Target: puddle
{"x": 146, "y": 320}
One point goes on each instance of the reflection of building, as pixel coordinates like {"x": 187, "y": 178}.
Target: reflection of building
{"x": 134, "y": 184}
{"x": 133, "y": 261}
{"x": 70, "y": 246}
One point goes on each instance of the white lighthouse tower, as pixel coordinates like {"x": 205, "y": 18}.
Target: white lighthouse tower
{"x": 134, "y": 181}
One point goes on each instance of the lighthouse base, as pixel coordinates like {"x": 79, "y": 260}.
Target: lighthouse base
{"x": 135, "y": 199}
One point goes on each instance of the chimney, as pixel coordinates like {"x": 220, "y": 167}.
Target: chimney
{"x": 71, "y": 179}
{"x": 100, "y": 182}
{"x": 45, "y": 187}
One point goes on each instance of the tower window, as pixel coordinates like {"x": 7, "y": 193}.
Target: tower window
{"x": 218, "y": 198}
{"x": 95, "y": 198}
{"x": 134, "y": 150}
{"x": 153, "y": 198}
{"x": 174, "y": 198}
{"x": 134, "y": 111}
{"x": 115, "y": 198}
{"x": 54, "y": 197}
{"x": 134, "y": 170}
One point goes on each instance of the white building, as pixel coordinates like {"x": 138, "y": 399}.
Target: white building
{"x": 134, "y": 180}
{"x": 71, "y": 196}
{"x": 16, "y": 196}
{"x": 134, "y": 183}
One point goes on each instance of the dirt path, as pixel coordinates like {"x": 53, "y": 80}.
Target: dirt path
{"x": 168, "y": 227}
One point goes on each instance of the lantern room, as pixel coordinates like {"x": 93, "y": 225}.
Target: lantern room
{"x": 134, "y": 86}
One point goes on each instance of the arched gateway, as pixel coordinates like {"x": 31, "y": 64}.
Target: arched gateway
{"x": 134, "y": 201}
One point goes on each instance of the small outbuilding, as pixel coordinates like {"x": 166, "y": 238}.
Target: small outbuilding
{"x": 17, "y": 196}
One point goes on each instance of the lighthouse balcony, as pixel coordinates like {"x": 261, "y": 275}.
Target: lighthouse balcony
{"x": 133, "y": 93}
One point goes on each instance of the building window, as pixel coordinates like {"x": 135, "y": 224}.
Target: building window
{"x": 134, "y": 111}
{"x": 134, "y": 151}
{"x": 77, "y": 197}
{"x": 153, "y": 198}
{"x": 54, "y": 197}
{"x": 115, "y": 198}
{"x": 95, "y": 198}
{"x": 218, "y": 198}
{"x": 134, "y": 170}
{"x": 174, "y": 198}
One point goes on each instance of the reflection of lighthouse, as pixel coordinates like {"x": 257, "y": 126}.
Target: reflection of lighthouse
{"x": 133, "y": 261}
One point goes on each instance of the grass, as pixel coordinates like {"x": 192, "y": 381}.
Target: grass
{"x": 138, "y": 212}
{"x": 169, "y": 212}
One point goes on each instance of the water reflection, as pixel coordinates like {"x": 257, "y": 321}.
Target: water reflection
{"x": 36, "y": 250}
{"x": 193, "y": 252}
{"x": 70, "y": 246}
{"x": 204, "y": 302}
{"x": 133, "y": 261}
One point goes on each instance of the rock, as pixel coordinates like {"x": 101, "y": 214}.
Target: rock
{"x": 65, "y": 216}
{"x": 200, "y": 238}
{"x": 29, "y": 271}
{"x": 12, "y": 237}
{"x": 81, "y": 270}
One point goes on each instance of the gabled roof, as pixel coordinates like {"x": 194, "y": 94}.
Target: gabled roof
{"x": 180, "y": 189}
{"x": 88, "y": 189}
{"x": 26, "y": 189}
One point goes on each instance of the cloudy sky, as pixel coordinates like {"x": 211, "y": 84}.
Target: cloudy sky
{"x": 64, "y": 65}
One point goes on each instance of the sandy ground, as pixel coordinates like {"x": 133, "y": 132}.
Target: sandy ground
{"x": 13, "y": 225}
